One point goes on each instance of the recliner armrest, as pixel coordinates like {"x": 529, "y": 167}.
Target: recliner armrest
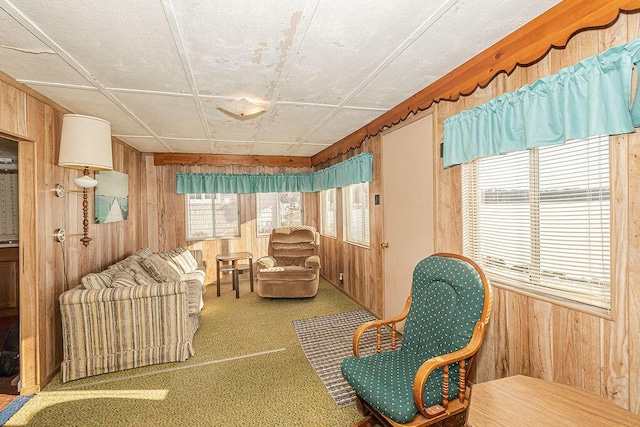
{"x": 265, "y": 262}
{"x": 312, "y": 262}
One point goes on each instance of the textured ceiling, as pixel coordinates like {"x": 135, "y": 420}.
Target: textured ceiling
{"x": 158, "y": 69}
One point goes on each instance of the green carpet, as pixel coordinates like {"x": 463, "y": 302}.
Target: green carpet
{"x": 277, "y": 387}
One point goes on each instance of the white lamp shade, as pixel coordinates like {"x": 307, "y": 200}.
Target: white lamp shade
{"x": 85, "y": 142}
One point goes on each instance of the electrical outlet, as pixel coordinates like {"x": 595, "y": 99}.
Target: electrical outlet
{"x": 341, "y": 279}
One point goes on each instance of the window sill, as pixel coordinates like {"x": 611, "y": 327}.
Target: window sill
{"x": 362, "y": 245}
{"x": 202, "y": 239}
{"x": 576, "y": 306}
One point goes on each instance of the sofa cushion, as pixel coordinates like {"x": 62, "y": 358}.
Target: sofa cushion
{"x": 98, "y": 280}
{"x": 188, "y": 257}
{"x": 286, "y": 274}
{"x": 159, "y": 269}
{"x": 123, "y": 279}
{"x": 143, "y": 280}
{"x": 169, "y": 258}
{"x": 144, "y": 252}
{"x": 135, "y": 268}
{"x": 124, "y": 264}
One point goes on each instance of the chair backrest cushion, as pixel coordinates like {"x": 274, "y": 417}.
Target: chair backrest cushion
{"x": 292, "y": 247}
{"x": 446, "y": 303}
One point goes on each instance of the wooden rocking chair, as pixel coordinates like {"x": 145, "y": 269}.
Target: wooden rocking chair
{"x": 425, "y": 381}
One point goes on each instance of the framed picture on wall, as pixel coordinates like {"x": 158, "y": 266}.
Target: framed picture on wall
{"x": 111, "y": 197}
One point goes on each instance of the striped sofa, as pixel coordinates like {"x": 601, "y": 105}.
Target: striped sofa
{"x": 140, "y": 311}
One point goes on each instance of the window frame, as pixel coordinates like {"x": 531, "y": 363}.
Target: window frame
{"x": 537, "y": 289}
{"x": 324, "y": 212}
{"x": 278, "y": 208}
{"x": 213, "y": 236}
{"x": 346, "y": 216}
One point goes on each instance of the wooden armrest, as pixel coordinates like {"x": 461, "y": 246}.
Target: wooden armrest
{"x": 444, "y": 360}
{"x": 376, "y": 324}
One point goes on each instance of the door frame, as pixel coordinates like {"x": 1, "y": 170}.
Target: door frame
{"x": 28, "y": 263}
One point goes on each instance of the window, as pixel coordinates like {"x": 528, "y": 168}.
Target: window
{"x": 213, "y": 216}
{"x": 278, "y": 210}
{"x": 540, "y": 220}
{"x": 356, "y": 213}
{"x": 328, "y": 213}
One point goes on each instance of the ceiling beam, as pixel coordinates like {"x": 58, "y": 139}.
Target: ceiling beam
{"x": 522, "y": 47}
{"x": 160, "y": 159}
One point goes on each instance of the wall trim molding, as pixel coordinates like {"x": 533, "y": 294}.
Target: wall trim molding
{"x": 161, "y": 159}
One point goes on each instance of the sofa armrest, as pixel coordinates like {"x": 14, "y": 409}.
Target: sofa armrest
{"x": 105, "y": 330}
{"x": 312, "y": 262}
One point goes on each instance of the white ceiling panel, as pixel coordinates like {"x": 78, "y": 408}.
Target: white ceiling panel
{"x": 308, "y": 150}
{"x": 346, "y": 44}
{"x": 289, "y": 123}
{"x": 232, "y": 147}
{"x": 125, "y": 44}
{"x": 237, "y": 50}
{"x": 167, "y": 116}
{"x": 274, "y": 149}
{"x": 188, "y": 146}
{"x": 144, "y": 144}
{"x": 93, "y": 103}
{"x": 343, "y": 123}
{"x": 25, "y": 57}
{"x": 437, "y": 52}
{"x": 158, "y": 68}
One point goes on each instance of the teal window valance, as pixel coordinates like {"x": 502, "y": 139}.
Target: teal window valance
{"x": 590, "y": 98}
{"x": 352, "y": 171}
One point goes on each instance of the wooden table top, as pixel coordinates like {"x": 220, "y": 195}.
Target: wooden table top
{"x": 525, "y": 401}
{"x": 234, "y": 256}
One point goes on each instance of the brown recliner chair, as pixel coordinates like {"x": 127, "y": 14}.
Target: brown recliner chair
{"x": 292, "y": 269}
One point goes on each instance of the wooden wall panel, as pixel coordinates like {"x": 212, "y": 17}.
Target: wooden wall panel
{"x": 362, "y": 267}
{"x": 51, "y": 267}
{"x": 538, "y": 338}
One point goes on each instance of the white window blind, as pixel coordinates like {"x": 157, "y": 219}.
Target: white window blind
{"x": 328, "y": 213}
{"x": 213, "y": 216}
{"x": 356, "y": 213}
{"x": 540, "y": 220}
{"x": 278, "y": 210}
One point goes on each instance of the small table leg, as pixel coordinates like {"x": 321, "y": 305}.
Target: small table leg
{"x": 218, "y": 277}
{"x": 236, "y": 278}
{"x": 251, "y": 272}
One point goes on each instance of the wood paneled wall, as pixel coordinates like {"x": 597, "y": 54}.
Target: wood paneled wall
{"x": 533, "y": 337}
{"x": 49, "y": 268}
{"x": 362, "y": 268}
{"x": 164, "y": 212}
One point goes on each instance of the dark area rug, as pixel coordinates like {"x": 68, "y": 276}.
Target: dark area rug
{"x": 327, "y": 340}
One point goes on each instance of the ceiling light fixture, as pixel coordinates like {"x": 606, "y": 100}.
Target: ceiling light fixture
{"x": 241, "y": 109}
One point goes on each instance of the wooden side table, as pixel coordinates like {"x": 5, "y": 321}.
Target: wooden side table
{"x": 525, "y": 401}
{"x": 234, "y": 267}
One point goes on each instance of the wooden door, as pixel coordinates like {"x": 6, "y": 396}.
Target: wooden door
{"x": 407, "y": 166}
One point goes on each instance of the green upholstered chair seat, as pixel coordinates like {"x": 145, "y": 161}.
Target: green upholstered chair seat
{"x": 447, "y": 301}
{"x": 385, "y": 381}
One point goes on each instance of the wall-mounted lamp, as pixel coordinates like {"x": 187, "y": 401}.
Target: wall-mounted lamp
{"x": 85, "y": 144}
